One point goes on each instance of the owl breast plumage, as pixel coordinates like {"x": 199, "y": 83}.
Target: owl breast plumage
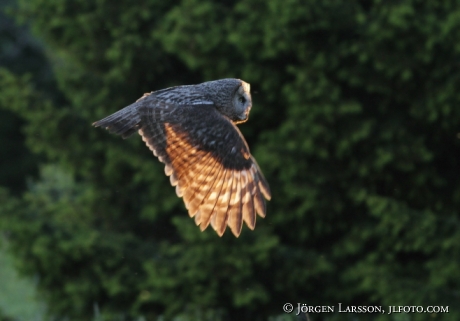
{"x": 191, "y": 129}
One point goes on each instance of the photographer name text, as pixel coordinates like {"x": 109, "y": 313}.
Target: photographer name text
{"x": 299, "y": 308}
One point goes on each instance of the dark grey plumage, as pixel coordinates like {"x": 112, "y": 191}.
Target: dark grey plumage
{"x": 191, "y": 129}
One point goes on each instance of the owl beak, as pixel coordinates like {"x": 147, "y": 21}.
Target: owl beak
{"x": 241, "y": 119}
{"x": 244, "y": 116}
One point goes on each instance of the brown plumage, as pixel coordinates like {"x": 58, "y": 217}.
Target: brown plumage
{"x": 191, "y": 129}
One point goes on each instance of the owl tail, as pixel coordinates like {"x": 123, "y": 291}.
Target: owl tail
{"x": 124, "y": 122}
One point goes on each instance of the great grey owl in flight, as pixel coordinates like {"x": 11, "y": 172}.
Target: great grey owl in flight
{"x": 191, "y": 129}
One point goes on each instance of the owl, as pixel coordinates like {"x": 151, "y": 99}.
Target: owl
{"x": 192, "y": 130}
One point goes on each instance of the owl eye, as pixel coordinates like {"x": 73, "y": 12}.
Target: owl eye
{"x": 242, "y": 100}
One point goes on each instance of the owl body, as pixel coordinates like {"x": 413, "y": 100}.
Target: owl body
{"x": 192, "y": 130}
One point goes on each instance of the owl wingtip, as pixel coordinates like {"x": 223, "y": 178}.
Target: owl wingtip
{"x": 236, "y": 233}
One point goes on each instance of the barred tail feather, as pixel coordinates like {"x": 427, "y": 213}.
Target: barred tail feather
{"x": 124, "y": 122}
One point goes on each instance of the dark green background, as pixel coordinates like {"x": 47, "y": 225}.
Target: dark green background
{"x": 355, "y": 124}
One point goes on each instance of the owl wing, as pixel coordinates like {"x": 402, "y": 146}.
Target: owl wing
{"x": 206, "y": 158}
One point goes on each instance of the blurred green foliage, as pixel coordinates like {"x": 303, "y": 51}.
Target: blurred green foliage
{"x": 18, "y": 53}
{"x": 355, "y": 125}
{"x": 18, "y": 298}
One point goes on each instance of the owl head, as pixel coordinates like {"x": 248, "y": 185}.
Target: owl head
{"x": 231, "y": 97}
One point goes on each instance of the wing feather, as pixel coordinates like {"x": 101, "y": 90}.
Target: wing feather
{"x": 249, "y": 213}
{"x": 196, "y": 183}
{"x": 219, "y": 215}
{"x": 235, "y": 219}
{"x": 209, "y": 202}
{"x": 201, "y": 190}
{"x": 259, "y": 203}
{"x": 263, "y": 185}
{"x": 188, "y": 167}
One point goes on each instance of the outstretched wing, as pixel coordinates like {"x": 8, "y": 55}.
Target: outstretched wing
{"x": 207, "y": 160}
